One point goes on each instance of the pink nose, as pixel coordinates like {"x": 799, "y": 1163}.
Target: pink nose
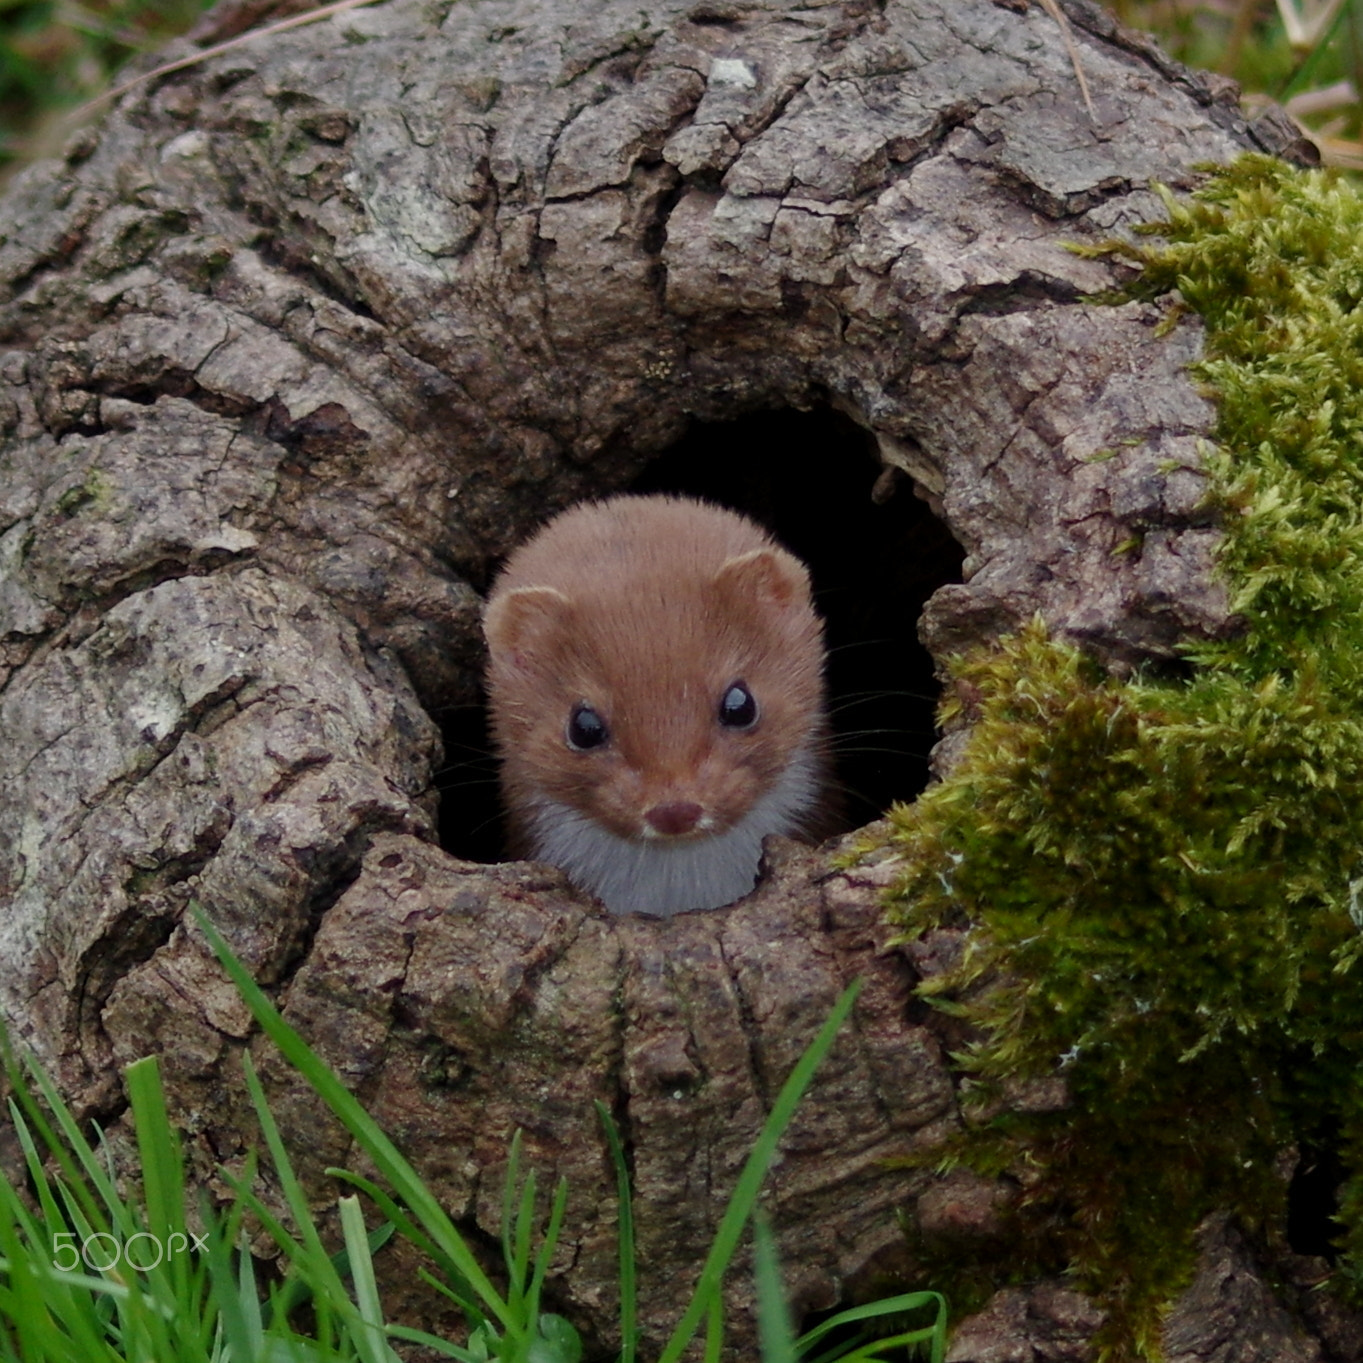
{"x": 674, "y": 819}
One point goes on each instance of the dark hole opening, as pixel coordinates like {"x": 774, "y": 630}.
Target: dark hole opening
{"x": 470, "y": 801}
{"x": 1313, "y": 1224}
{"x": 807, "y": 477}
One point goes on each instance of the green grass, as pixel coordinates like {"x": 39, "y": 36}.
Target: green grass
{"x": 85, "y": 1275}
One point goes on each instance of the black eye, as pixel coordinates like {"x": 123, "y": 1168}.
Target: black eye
{"x": 585, "y": 728}
{"x": 737, "y": 708}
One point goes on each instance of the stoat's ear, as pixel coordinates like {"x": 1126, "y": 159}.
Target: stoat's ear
{"x": 766, "y": 576}
{"x": 523, "y": 622}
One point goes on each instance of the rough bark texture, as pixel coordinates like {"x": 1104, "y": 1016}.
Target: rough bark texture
{"x": 298, "y": 341}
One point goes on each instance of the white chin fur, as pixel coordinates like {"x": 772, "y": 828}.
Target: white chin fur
{"x": 666, "y": 877}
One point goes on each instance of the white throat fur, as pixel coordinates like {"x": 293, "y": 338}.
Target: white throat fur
{"x": 631, "y": 875}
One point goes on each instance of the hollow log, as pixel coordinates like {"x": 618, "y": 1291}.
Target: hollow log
{"x": 299, "y": 341}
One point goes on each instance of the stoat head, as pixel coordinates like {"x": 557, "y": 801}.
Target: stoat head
{"x": 657, "y": 669}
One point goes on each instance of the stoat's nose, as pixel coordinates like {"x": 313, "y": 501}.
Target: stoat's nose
{"x": 675, "y": 819}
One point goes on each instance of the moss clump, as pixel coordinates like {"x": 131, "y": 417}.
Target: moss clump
{"x": 1164, "y": 877}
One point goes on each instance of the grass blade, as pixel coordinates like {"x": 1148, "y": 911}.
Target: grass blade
{"x": 629, "y": 1301}
{"x": 163, "y": 1185}
{"x": 37, "y": 1173}
{"x": 235, "y": 1297}
{"x": 311, "y": 1251}
{"x": 82, "y": 1174}
{"x": 440, "y": 1346}
{"x": 773, "y": 1316}
{"x": 457, "y": 1289}
{"x": 548, "y": 1243}
{"x": 934, "y": 1335}
{"x": 393, "y": 1166}
{"x": 369, "y": 1337}
{"x": 749, "y": 1184}
{"x": 714, "y": 1329}
{"x": 516, "y": 1223}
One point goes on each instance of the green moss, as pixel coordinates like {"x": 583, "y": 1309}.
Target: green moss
{"x": 1164, "y": 877}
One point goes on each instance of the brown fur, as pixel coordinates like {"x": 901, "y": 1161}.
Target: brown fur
{"x": 648, "y": 608}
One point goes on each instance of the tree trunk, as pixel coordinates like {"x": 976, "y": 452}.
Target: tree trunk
{"x": 299, "y": 341}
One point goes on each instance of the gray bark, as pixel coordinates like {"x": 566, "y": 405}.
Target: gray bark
{"x": 298, "y": 341}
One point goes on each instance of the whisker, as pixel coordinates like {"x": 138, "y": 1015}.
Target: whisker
{"x": 490, "y": 768}
{"x": 907, "y": 754}
{"x": 866, "y": 697}
{"x": 857, "y": 643}
{"x": 486, "y": 823}
{"x": 481, "y": 761}
{"x": 870, "y": 807}
{"x": 867, "y": 733}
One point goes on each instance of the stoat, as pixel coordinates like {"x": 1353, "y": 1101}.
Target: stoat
{"x": 655, "y": 681}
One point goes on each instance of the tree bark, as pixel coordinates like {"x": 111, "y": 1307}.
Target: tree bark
{"x": 299, "y": 341}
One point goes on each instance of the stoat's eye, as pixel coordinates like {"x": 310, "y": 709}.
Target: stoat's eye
{"x": 737, "y": 707}
{"x": 585, "y": 728}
